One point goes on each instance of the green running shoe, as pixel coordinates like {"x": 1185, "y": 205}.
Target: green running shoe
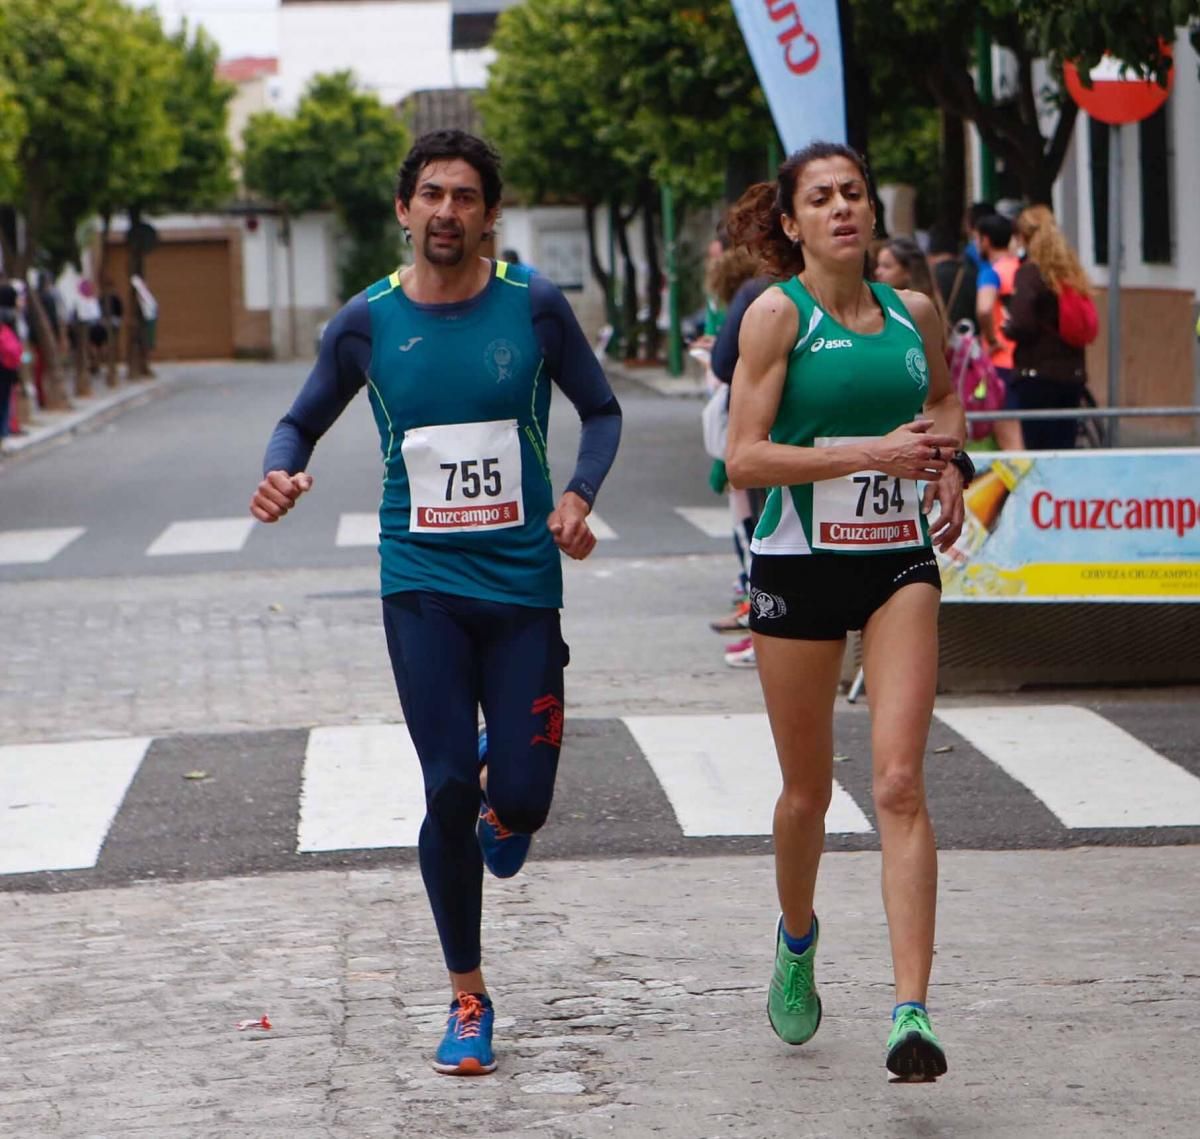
{"x": 913, "y": 1051}
{"x": 793, "y": 1007}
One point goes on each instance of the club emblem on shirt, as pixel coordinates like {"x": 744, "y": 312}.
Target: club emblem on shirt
{"x": 502, "y": 359}
{"x": 917, "y": 367}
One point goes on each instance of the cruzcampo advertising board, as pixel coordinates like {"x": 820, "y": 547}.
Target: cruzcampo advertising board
{"x": 1079, "y": 526}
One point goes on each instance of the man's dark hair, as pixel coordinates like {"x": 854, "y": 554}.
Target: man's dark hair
{"x": 943, "y": 239}
{"x": 440, "y": 145}
{"x": 997, "y": 229}
{"x": 977, "y": 210}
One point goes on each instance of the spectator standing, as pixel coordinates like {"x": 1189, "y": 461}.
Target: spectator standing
{"x": 954, "y": 274}
{"x": 1050, "y": 371}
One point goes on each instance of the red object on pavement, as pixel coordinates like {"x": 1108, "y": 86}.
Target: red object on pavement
{"x": 262, "y": 1022}
{"x": 1116, "y": 96}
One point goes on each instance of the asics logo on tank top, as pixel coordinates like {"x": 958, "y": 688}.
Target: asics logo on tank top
{"x": 821, "y": 344}
{"x": 412, "y": 342}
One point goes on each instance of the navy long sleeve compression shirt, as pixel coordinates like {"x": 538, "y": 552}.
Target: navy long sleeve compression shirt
{"x": 345, "y": 357}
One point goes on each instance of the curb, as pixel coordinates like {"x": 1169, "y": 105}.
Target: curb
{"x": 85, "y": 413}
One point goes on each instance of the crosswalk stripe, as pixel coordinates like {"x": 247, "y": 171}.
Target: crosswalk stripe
{"x": 23, "y": 547}
{"x": 1087, "y": 771}
{"x": 715, "y": 521}
{"x": 57, "y": 801}
{"x": 721, "y": 775}
{"x": 358, "y": 530}
{"x": 362, "y": 789}
{"x": 603, "y": 531}
{"x": 202, "y": 536}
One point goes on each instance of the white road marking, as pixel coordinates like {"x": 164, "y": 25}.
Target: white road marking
{"x": 57, "y": 801}
{"x": 715, "y": 521}
{"x": 358, "y": 530}
{"x": 203, "y": 536}
{"x": 721, "y": 775}
{"x": 1088, "y": 771}
{"x": 28, "y": 547}
{"x": 603, "y": 531}
{"x": 362, "y": 789}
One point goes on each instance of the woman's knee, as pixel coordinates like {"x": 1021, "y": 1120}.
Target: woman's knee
{"x": 804, "y": 803}
{"x": 899, "y": 790}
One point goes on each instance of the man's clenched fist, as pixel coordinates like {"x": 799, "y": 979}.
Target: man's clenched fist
{"x": 277, "y": 494}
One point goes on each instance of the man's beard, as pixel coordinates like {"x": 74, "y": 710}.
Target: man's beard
{"x": 443, "y": 255}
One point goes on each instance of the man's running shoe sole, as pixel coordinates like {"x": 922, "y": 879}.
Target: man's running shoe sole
{"x": 468, "y": 1067}
{"x": 916, "y": 1060}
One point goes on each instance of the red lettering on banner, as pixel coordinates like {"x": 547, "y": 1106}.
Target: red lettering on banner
{"x": 867, "y": 533}
{"x": 451, "y": 517}
{"x": 1177, "y": 514}
{"x": 789, "y": 37}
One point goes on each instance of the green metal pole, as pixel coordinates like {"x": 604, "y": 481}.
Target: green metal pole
{"x": 983, "y": 60}
{"x": 774, "y": 156}
{"x": 675, "y": 335}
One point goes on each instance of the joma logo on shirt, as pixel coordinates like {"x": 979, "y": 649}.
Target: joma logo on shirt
{"x": 829, "y": 345}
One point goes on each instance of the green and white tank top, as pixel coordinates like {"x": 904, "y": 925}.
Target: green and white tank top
{"x": 845, "y": 387}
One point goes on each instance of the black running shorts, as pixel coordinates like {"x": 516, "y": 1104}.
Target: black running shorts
{"x": 819, "y": 597}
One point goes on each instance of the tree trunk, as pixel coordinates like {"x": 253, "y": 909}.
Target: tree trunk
{"x": 654, "y": 276}
{"x": 952, "y": 200}
{"x": 629, "y": 289}
{"x": 136, "y": 364}
{"x": 599, "y": 274}
{"x": 110, "y": 342}
{"x": 53, "y": 389}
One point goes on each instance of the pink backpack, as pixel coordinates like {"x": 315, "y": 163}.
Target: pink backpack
{"x": 10, "y": 349}
{"x": 978, "y": 385}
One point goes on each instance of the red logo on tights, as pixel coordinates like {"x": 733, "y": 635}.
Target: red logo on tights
{"x": 552, "y": 733}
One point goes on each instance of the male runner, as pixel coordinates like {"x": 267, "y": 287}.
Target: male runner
{"x": 457, "y": 352}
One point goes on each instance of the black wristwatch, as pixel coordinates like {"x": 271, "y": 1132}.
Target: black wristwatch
{"x": 965, "y": 467}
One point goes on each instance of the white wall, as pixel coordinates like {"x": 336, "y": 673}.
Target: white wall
{"x": 1183, "y": 109}
{"x": 394, "y": 47}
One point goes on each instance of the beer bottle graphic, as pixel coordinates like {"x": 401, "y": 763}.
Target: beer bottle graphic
{"x": 984, "y": 499}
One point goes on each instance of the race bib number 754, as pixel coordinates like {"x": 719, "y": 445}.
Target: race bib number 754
{"x": 865, "y": 511}
{"x": 464, "y": 477}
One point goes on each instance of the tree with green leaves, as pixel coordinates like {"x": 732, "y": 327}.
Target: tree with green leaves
{"x": 339, "y": 151}
{"x": 540, "y": 109}
{"x": 196, "y": 103}
{"x": 603, "y": 101}
{"x": 935, "y": 43}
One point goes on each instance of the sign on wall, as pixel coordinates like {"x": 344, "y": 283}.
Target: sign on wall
{"x": 1080, "y": 526}
{"x": 796, "y": 47}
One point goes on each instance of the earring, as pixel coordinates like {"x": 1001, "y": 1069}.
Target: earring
{"x": 407, "y": 234}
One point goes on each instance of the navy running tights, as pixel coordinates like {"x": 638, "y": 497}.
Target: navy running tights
{"x": 451, "y": 656}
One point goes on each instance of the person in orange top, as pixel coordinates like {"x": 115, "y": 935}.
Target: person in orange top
{"x": 994, "y": 288}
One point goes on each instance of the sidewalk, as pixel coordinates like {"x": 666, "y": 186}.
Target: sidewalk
{"x": 631, "y": 999}
{"x": 88, "y": 411}
{"x": 657, "y": 378}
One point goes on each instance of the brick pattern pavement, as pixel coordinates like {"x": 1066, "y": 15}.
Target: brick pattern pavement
{"x": 293, "y": 648}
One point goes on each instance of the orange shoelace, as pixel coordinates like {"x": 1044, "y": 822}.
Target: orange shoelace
{"x": 502, "y": 832}
{"x": 470, "y": 1009}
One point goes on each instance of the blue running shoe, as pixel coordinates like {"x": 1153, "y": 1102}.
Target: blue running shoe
{"x": 504, "y": 852}
{"x": 466, "y": 1049}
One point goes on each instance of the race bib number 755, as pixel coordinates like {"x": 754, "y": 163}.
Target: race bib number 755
{"x": 865, "y": 511}
{"x": 464, "y": 477}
